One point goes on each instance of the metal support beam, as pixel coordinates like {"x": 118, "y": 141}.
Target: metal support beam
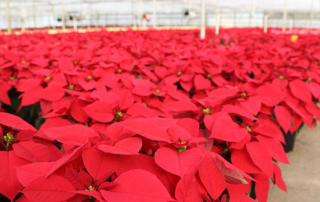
{"x": 141, "y": 13}
{"x": 311, "y": 15}
{"x": 75, "y": 28}
{"x": 63, "y": 16}
{"x": 284, "y": 16}
{"x": 154, "y": 14}
{"x": 203, "y": 20}
{"x": 218, "y": 22}
{"x": 34, "y": 14}
{"x": 8, "y": 18}
{"x": 265, "y": 27}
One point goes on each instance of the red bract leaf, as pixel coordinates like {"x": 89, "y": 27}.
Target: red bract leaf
{"x": 178, "y": 163}
{"x": 301, "y": 90}
{"x": 236, "y": 110}
{"x": 52, "y": 189}
{"x": 9, "y": 184}
{"x": 211, "y": 177}
{"x": 187, "y": 188}
{"x": 32, "y": 151}
{"x": 191, "y": 125}
{"x": 127, "y": 189}
{"x": 5, "y": 87}
{"x": 100, "y": 111}
{"x": 262, "y": 187}
{"x": 225, "y": 129}
{"x": 275, "y": 148}
{"x": 180, "y": 106}
{"x": 74, "y": 134}
{"x": 23, "y": 198}
{"x": 29, "y": 172}
{"x": 261, "y": 157}
{"x": 94, "y": 193}
{"x": 77, "y": 111}
{"x": 65, "y": 64}
{"x": 240, "y": 197}
{"x": 14, "y": 122}
{"x": 67, "y": 158}
{"x": 52, "y": 93}
{"x": 30, "y": 97}
{"x": 242, "y": 160}
{"x": 269, "y": 95}
{"x": 100, "y": 165}
{"x": 231, "y": 173}
{"x": 125, "y": 100}
{"x": 75, "y": 178}
{"x": 278, "y": 178}
{"x": 149, "y": 128}
{"x": 283, "y": 116}
{"x": 178, "y": 134}
{"x": 201, "y": 83}
{"x": 127, "y": 146}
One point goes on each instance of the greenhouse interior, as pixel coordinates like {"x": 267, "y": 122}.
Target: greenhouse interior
{"x": 159, "y": 100}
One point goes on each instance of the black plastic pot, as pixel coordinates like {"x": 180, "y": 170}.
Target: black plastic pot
{"x": 290, "y": 140}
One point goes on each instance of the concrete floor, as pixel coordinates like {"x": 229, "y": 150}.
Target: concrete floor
{"x": 302, "y": 176}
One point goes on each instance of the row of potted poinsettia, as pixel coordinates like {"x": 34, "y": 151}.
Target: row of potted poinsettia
{"x": 151, "y": 115}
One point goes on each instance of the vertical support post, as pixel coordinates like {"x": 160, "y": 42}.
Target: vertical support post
{"x": 63, "y": 16}
{"x": 141, "y": 13}
{"x": 23, "y": 17}
{"x": 203, "y": 20}
{"x": 97, "y": 20}
{"x": 218, "y": 22}
{"x": 54, "y": 19}
{"x": 134, "y": 12}
{"x": 154, "y": 14}
{"x": 265, "y": 27}
{"x": 235, "y": 18}
{"x": 34, "y": 15}
{"x": 311, "y": 15}
{"x": 291, "y": 25}
{"x": 89, "y": 18}
{"x": 284, "y": 16}
{"x": 8, "y": 18}
{"x": 75, "y": 28}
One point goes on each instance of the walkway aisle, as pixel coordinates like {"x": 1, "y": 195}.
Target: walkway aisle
{"x": 302, "y": 177}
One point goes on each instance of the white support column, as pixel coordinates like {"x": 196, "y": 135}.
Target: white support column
{"x": 284, "y": 16}
{"x": 141, "y": 13}
{"x": 311, "y": 15}
{"x": 75, "y": 28}
{"x": 54, "y": 19}
{"x": 8, "y": 18}
{"x": 63, "y": 16}
{"x": 291, "y": 25}
{"x": 23, "y": 19}
{"x": 154, "y": 14}
{"x": 203, "y": 20}
{"x": 265, "y": 27}
{"x": 34, "y": 15}
{"x": 134, "y": 13}
{"x": 218, "y": 22}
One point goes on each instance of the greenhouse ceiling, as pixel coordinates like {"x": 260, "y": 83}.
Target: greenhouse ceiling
{"x": 46, "y": 13}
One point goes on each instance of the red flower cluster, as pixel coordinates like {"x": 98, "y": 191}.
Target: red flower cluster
{"x": 153, "y": 115}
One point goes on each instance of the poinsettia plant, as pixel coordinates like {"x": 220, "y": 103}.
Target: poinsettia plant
{"x": 151, "y": 115}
